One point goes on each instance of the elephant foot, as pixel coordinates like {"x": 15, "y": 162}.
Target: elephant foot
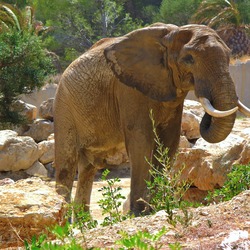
{"x": 139, "y": 208}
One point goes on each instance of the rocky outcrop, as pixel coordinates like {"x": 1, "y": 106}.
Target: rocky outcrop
{"x": 223, "y": 226}
{"x": 40, "y": 130}
{"x": 206, "y": 166}
{"x": 28, "y": 111}
{"x": 27, "y": 208}
{"x": 46, "y": 109}
{"x": 47, "y": 148}
{"x": 23, "y": 153}
{"x": 43, "y": 94}
{"x": 17, "y": 152}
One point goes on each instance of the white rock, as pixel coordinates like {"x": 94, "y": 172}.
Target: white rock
{"x": 17, "y": 152}
{"x": 40, "y": 130}
{"x": 194, "y": 107}
{"x": 190, "y": 125}
{"x": 48, "y": 149}
{"x": 29, "y": 111}
{"x": 184, "y": 143}
{"x": 37, "y": 169}
{"x": 206, "y": 165}
{"x": 27, "y": 208}
{"x": 46, "y": 109}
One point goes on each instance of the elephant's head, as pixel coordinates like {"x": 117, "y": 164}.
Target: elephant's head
{"x": 165, "y": 61}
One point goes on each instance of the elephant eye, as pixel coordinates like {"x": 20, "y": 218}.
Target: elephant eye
{"x": 188, "y": 59}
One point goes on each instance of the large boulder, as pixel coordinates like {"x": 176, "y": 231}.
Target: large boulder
{"x": 28, "y": 111}
{"x": 27, "y": 208}
{"x": 190, "y": 125}
{"x": 206, "y": 165}
{"x": 40, "y": 130}
{"x": 48, "y": 151}
{"x": 17, "y": 152}
{"x": 46, "y": 109}
{"x": 40, "y": 95}
{"x": 37, "y": 169}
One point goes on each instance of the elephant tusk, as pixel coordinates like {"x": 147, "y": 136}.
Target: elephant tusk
{"x": 206, "y": 104}
{"x": 243, "y": 109}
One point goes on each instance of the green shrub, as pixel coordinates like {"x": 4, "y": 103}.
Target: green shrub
{"x": 64, "y": 240}
{"x": 23, "y": 67}
{"x": 141, "y": 240}
{"x": 111, "y": 201}
{"x": 238, "y": 180}
{"x": 81, "y": 219}
{"x": 165, "y": 189}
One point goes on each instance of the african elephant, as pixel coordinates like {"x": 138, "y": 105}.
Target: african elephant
{"x": 105, "y": 96}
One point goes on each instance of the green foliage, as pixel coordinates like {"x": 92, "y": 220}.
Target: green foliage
{"x": 82, "y": 219}
{"x": 79, "y": 24}
{"x": 244, "y": 9}
{"x": 12, "y": 18}
{"x": 23, "y": 67}
{"x": 175, "y": 246}
{"x": 165, "y": 188}
{"x": 111, "y": 200}
{"x": 142, "y": 240}
{"x": 217, "y": 13}
{"x": 177, "y": 12}
{"x": 238, "y": 180}
{"x": 19, "y": 3}
{"x": 64, "y": 240}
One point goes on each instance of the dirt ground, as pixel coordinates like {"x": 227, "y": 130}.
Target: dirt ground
{"x": 224, "y": 226}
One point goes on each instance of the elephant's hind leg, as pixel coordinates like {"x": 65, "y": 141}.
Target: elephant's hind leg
{"x": 86, "y": 175}
{"x": 66, "y": 159}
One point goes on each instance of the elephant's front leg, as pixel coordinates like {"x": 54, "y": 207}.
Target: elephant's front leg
{"x": 139, "y": 146}
{"x": 169, "y": 132}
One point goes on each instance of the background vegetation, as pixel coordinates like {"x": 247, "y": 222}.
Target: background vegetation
{"x": 77, "y": 25}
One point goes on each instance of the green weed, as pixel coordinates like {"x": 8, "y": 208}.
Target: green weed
{"x": 111, "y": 201}
{"x": 238, "y": 180}
{"x": 64, "y": 240}
{"x": 165, "y": 189}
{"x": 142, "y": 240}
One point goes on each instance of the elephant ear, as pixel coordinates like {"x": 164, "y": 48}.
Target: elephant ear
{"x": 139, "y": 60}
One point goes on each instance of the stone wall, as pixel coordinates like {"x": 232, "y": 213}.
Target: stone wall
{"x": 240, "y": 73}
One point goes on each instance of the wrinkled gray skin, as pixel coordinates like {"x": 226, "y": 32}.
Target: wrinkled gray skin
{"x": 105, "y": 96}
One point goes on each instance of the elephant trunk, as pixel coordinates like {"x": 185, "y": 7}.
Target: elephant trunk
{"x": 215, "y": 129}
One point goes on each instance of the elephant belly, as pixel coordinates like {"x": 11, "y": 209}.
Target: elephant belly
{"x": 100, "y": 140}
{"x": 99, "y": 156}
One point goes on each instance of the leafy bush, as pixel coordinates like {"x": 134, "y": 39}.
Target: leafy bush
{"x": 64, "y": 240}
{"x": 80, "y": 218}
{"x": 142, "y": 240}
{"x": 23, "y": 67}
{"x": 165, "y": 189}
{"x": 238, "y": 180}
{"x": 111, "y": 200}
